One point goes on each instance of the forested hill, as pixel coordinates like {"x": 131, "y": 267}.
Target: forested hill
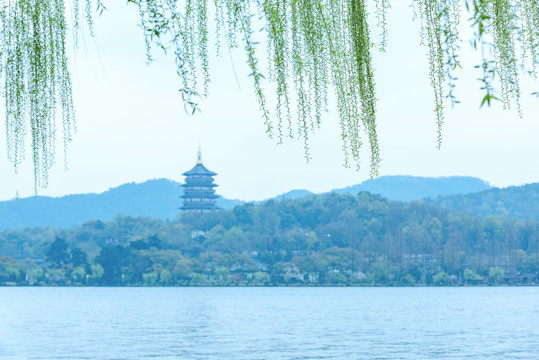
{"x": 314, "y": 240}
{"x": 160, "y": 199}
{"x": 521, "y": 202}
{"x": 154, "y": 198}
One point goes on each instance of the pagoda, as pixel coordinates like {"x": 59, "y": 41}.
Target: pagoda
{"x": 199, "y": 193}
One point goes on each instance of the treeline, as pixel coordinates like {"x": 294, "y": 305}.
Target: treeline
{"x": 519, "y": 202}
{"x": 318, "y": 240}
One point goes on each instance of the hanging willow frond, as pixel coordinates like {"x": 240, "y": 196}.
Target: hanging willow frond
{"x": 316, "y": 45}
{"x": 506, "y": 35}
{"x": 36, "y": 81}
{"x": 313, "y": 47}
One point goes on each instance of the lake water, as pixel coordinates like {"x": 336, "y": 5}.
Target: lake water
{"x": 269, "y": 323}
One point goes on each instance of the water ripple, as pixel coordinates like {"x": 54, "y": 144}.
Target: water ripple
{"x": 269, "y": 323}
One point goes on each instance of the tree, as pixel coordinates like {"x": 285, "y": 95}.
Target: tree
{"x": 261, "y": 278}
{"x": 414, "y": 270}
{"x": 221, "y": 275}
{"x": 183, "y": 268}
{"x": 165, "y": 277}
{"x": 55, "y": 276}
{"x": 495, "y": 274}
{"x": 150, "y": 278}
{"x": 112, "y": 259}
{"x": 79, "y": 274}
{"x": 10, "y": 270}
{"x": 471, "y": 276}
{"x": 441, "y": 279}
{"x": 198, "y": 279}
{"x": 312, "y": 45}
{"x": 57, "y": 252}
{"x": 34, "y": 275}
{"x": 97, "y": 273}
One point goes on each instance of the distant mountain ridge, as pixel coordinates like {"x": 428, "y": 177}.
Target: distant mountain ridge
{"x": 406, "y": 188}
{"x": 293, "y": 194}
{"x": 160, "y": 199}
{"x": 154, "y": 198}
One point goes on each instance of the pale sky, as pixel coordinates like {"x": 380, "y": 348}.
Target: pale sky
{"x": 132, "y": 126}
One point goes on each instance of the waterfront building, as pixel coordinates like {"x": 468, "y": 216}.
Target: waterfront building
{"x": 199, "y": 189}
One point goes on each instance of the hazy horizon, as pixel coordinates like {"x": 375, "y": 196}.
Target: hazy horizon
{"x": 265, "y": 198}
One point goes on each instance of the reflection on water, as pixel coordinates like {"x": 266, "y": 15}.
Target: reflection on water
{"x": 269, "y": 323}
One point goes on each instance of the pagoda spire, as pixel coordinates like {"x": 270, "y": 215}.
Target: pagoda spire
{"x": 199, "y": 159}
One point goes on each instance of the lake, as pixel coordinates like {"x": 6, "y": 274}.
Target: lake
{"x": 269, "y": 323}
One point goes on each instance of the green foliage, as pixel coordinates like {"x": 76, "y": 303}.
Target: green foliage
{"x": 495, "y": 274}
{"x": 97, "y": 273}
{"x": 519, "y": 202}
{"x": 10, "y": 270}
{"x": 113, "y": 259}
{"x": 150, "y": 278}
{"x": 36, "y": 82}
{"x": 165, "y": 277}
{"x": 382, "y": 272}
{"x": 261, "y": 278}
{"x": 441, "y": 279}
{"x": 529, "y": 263}
{"x": 79, "y": 274}
{"x": 471, "y": 276}
{"x": 311, "y": 46}
{"x": 55, "y": 276}
{"x": 415, "y": 271}
{"x": 439, "y": 32}
{"x": 221, "y": 274}
{"x": 327, "y": 239}
{"x": 336, "y": 278}
{"x": 57, "y": 252}
{"x": 198, "y": 279}
{"x": 34, "y": 275}
{"x": 409, "y": 280}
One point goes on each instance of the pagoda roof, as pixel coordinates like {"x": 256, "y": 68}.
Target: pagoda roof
{"x": 199, "y": 169}
{"x": 201, "y": 183}
{"x": 205, "y": 196}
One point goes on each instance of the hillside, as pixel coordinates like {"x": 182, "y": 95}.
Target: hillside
{"x": 160, "y": 199}
{"x": 325, "y": 239}
{"x": 521, "y": 202}
{"x": 153, "y": 198}
{"x": 406, "y": 188}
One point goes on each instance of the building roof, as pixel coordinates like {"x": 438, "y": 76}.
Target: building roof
{"x": 199, "y": 183}
{"x": 203, "y": 195}
{"x": 199, "y": 169}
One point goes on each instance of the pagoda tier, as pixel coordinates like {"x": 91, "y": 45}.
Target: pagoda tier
{"x": 199, "y": 193}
